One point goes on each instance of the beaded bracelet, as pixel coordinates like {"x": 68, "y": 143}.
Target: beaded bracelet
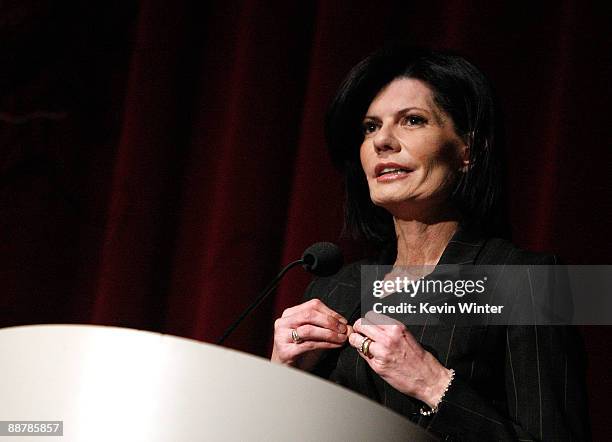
{"x": 434, "y": 409}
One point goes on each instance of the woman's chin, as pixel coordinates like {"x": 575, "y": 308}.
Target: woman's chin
{"x": 391, "y": 202}
{"x": 408, "y": 206}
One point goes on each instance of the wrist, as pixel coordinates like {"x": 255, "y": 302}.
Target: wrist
{"x": 434, "y": 394}
{"x": 436, "y": 397}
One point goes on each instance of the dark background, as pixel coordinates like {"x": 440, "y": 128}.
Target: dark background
{"x": 161, "y": 160}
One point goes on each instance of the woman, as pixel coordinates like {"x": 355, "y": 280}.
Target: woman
{"x": 414, "y": 132}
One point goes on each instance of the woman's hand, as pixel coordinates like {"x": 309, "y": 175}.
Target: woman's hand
{"x": 319, "y": 328}
{"x": 399, "y": 359}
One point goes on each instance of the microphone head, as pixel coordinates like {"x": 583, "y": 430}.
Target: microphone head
{"x": 322, "y": 258}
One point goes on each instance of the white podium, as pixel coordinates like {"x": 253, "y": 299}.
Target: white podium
{"x": 112, "y": 384}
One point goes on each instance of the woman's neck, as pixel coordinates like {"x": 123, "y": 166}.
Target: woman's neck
{"x": 421, "y": 243}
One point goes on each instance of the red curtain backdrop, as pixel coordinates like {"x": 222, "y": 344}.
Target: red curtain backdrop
{"x": 162, "y": 160}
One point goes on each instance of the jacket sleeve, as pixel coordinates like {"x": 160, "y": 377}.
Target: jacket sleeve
{"x": 545, "y": 394}
{"x": 541, "y": 368}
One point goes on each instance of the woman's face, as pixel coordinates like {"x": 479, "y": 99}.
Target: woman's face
{"x": 410, "y": 154}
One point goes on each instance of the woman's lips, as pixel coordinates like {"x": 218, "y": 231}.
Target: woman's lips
{"x": 393, "y": 176}
{"x": 385, "y": 172}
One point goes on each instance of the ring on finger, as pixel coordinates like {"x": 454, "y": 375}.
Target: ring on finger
{"x": 361, "y": 347}
{"x": 365, "y": 347}
{"x": 295, "y": 336}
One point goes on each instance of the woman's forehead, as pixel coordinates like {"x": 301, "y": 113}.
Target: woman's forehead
{"x": 401, "y": 94}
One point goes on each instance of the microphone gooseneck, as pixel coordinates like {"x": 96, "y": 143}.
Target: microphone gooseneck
{"x": 321, "y": 259}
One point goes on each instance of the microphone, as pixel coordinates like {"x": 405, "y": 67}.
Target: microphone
{"x": 320, "y": 259}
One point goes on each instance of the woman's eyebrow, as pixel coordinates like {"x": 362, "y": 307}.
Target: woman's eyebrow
{"x": 411, "y": 108}
{"x": 400, "y": 112}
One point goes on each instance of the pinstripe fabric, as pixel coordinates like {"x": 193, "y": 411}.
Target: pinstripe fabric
{"x": 511, "y": 383}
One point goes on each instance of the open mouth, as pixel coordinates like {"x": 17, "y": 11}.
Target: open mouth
{"x": 390, "y": 169}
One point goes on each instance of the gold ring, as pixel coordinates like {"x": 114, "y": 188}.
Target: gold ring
{"x": 295, "y": 336}
{"x": 366, "y": 347}
{"x": 361, "y": 347}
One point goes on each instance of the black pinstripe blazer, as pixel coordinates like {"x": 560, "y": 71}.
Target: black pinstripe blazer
{"x": 511, "y": 382}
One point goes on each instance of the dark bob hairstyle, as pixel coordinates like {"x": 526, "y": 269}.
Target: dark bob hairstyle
{"x": 460, "y": 90}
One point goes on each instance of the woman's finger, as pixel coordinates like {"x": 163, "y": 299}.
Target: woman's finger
{"x": 315, "y": 345}
{"x": 310, "y": 325}
{"x": 388, "y": 326}
{"x": 284, "y": 325}
{"x": 356, "y": 340}
{"x": 310, "y": 332}
{"x": 380, "y": 319}
{"x": 315, "y": 317}
{"x": 373, "y": 331}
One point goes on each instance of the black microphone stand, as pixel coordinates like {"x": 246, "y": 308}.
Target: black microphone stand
{"x": 270, "y": 287}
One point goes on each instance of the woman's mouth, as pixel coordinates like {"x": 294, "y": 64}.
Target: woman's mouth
{"x": 388, "y": 172}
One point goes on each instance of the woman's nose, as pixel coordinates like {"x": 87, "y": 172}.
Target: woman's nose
{"x": 385, "y": 140}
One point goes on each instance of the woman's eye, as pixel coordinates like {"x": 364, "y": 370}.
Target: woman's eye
{"x": 369, "y": 127}
{"x": 414, "y": 120}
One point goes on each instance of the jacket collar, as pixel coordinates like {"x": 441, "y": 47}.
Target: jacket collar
{"x": 463, "y": 248}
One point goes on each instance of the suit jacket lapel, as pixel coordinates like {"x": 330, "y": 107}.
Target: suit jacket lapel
{"x": 463, "y": 248}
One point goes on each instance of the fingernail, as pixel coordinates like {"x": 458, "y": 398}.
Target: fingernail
{"x": 344, "y": 321}
{"x": 342, "y": 328}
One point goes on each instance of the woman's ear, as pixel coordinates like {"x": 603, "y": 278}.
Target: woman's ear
{"x": 465, "y": 159}
{"x": 465, "y": 151}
